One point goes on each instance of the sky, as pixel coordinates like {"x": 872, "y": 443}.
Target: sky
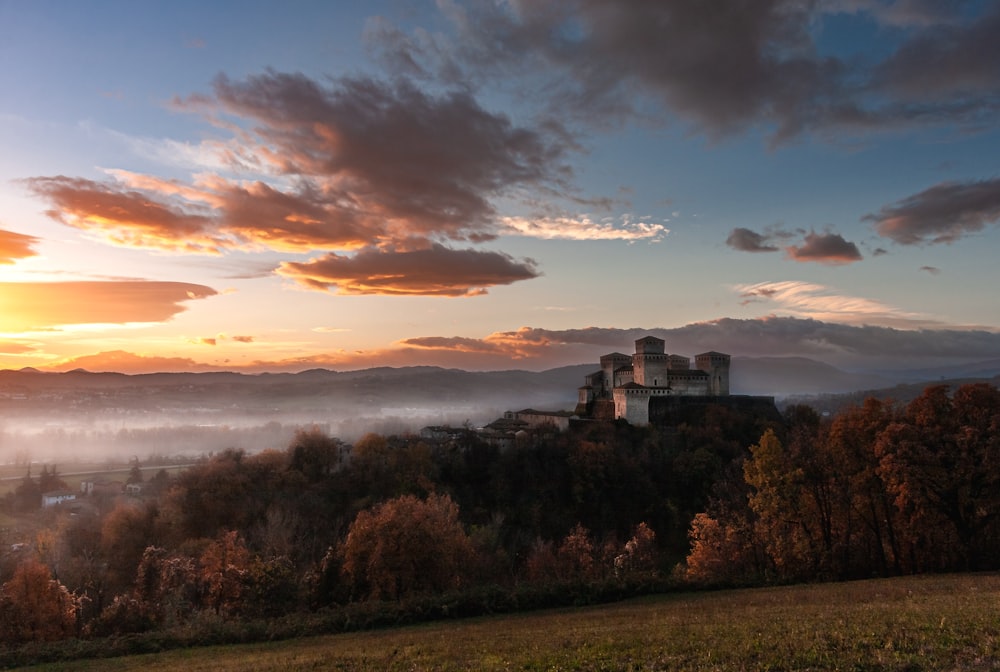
{"x": 264, "y": 187}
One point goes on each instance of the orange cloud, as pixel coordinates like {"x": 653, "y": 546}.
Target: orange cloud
{"x": 121, "y": 361}
{"x": 42, "y": 305}
{"x": 127, "y": 217}
{"x": 434, "y": 271}
{"x": 16, "y": 347}
{"x": 14, "y": 246}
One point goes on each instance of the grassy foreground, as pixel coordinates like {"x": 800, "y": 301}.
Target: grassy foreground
{"x": 947, "y": 622}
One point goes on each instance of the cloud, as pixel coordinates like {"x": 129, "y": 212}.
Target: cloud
{"x": 242, "y": 339}
{"x": 583, "y": 228}
{"x": 420, "y": 164}
{"x": 766, "y": 336}
{"x": 949, "y": 62}
{"x": 381, "y": 169}
{"x": 121, "y": 361}
{"x": 827, "y": 248}
{"x": 14, "y": 246}
{"x": 943, "y": 213}
{"x": 433, "y": 271}
{"x": 12, "y": 347}
{"x": 804, "y": 299}
{"x": 38, "y": 306}
{"x": 839, "y": 344}
{"x": 746, "y": 240}
{"x": 721, "y": 67}
{"x": 125, "y": 217}
{"x": 933, "y": 270}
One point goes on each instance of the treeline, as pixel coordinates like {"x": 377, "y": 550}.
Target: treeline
{"x": 879, "y": 490}
{"x": 321, "y": 526}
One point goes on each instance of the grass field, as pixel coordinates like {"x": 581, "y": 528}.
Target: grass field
{"x": 908, "y": 624}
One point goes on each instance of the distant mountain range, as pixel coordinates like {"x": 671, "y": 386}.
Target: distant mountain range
{"x": 420, "y": 392}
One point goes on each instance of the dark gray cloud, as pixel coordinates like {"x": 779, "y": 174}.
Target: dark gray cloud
{"x": 774, "y": 336}
{"x": 746, "y": 240}
{"x": 428, "y": 164}
{"x": 722, "y": 67}
{"x": 433, "y": 271}
{"x": 825, "y": 248}
{"x": 940, "y": 214}
{"x": 947, "y": 62}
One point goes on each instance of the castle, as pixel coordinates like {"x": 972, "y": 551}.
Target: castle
{"x": 633, "y": 382}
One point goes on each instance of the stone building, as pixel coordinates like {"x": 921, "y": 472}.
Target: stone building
{"x": 626, "y": 384}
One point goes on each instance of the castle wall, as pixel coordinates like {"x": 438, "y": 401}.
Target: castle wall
{"x": 632, "y": 405}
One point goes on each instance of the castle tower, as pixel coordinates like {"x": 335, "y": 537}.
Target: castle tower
{"x": 650, "y": 362}
{"x": 716, "y": 365}
{"x": 609, "y": 364}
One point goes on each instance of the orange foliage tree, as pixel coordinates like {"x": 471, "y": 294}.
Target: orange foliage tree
{"x": 406, "y": 545}
{"x": 941, "y": 463}
{"x": 35, "y": 607}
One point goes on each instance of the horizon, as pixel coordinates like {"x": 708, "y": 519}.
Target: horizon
{"x": 490, "y": 187}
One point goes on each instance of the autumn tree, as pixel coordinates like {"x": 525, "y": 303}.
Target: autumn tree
{"x": 852, "y": 437}
{"x": 314, "y": 454}
{"x": 35, "y": 607}
{"x": 724, "y": 549}
{"x": 941, "y": 463}
{"x": 406, "y": 545}
{"x": 780, "y": 502}
{"x": 223, "y": 567}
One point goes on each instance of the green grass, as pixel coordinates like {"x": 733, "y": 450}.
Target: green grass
{"x": 920, "y": 623}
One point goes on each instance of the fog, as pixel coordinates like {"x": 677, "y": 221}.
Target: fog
{"x": 82, "y": 416}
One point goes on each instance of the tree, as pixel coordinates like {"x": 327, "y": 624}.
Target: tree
{"x": 50, "y": 480}
{"x": 778, "y": 499}
{"x": 27, "y": 495}
{"x": 941, "y": 463}
{"x": 406, "y": 545}
{"x": 853, "y": 434}
{"x": 126, "y": 532}
{"x": 35, "y": 607}
{"x": 135, "y": 473}
{"x": 722, "y": 551}
{"x": 224, "y": 565}
{"x": 314, "y": 454}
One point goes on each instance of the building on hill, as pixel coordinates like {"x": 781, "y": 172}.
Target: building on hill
{"x": 626, "y": 385}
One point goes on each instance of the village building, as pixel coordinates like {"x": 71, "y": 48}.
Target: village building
{"x": 55, "y": 497}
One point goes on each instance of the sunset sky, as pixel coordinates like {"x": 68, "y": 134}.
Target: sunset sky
{"x": 264, "y": 186}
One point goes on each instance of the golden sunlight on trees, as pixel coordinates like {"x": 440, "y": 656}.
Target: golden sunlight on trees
{"x": 407, "y": 545}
